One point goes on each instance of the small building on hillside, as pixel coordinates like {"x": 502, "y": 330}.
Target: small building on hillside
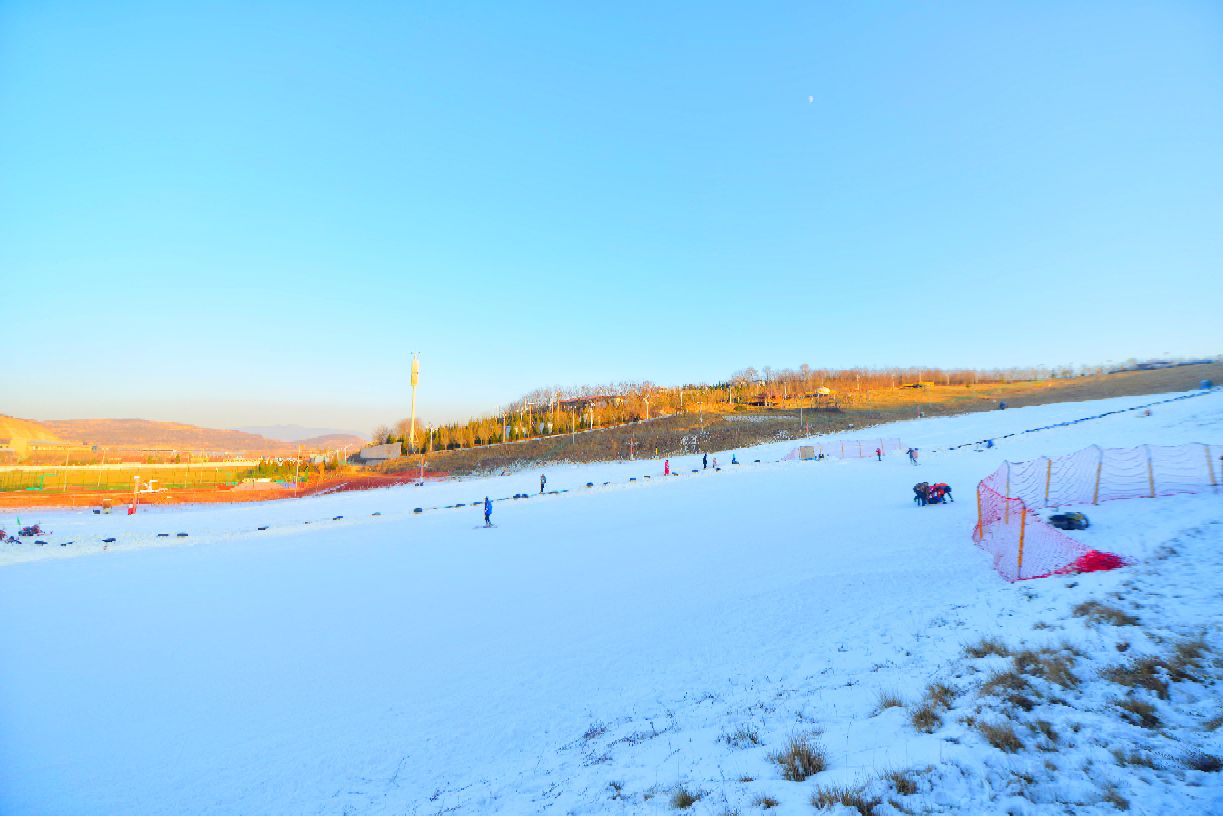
{"x": 377, "y": 454}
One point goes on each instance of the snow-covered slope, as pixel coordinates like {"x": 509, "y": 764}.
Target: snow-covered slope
{"x": 603, "y": 648}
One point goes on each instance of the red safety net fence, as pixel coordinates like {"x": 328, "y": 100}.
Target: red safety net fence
{"x": 1024, "y": 546}
{"x": 845, "y": 449}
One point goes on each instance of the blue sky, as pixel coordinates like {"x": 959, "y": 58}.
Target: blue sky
{"x": 235, "y": 213}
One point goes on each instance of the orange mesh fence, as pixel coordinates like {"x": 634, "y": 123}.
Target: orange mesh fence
{"x": 367, "y": 481}
{"x": 845, "y": 448}
{"x": 1020, "y": 542}
{"x": 1024, "y": 546}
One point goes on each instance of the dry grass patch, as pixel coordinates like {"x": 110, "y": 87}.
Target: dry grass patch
{"x": 986, "y": 647}
{"x": 1139, "y": 712}
{"x": 904, "y": 784}
{"x": 1097, "y": 612}
{"x": 1001, "y": 735}
{"x": 941, "y": 695}
{"x": 1146, "y": 672}
{"x": 1046, "y": 730}
{"x": 888, "y": 699}
{"x": 800, "y": 758}
{"x": 1130, "y": 758}
{"x": 849, "y": 797}
{"x": 925, "y": 718}
{"x": 1048, "y": 664}
{"x": 1012, "y": 687}
{"x": 683, "y": 799}
{"x": 1114, "y": 798}
{"x": 766, "y": 802}
{"x": 1214, "y": 723}
{"x": 1188, "y": 660}
{"x": 744, "y": 736}
{"x": 1202, "y": 761}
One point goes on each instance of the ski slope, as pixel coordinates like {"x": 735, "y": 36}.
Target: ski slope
{"x": 591, "y": 652}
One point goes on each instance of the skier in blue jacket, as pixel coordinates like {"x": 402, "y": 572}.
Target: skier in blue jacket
{"x": 488, "y": 512}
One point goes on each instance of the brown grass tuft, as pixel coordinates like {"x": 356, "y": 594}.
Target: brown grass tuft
{"x": 1188, "y": 660}
{"x": 1047, "y": 664}
{"x": 888, "y": 699}
{"x": 848, "y": 797}
{"x": 987, "y": 646}
{"x": 683, "y": 799}
{"x": 745, "y": 736}
{"x": 766, "y": 802}
{"x": 800, "y": 758}
{"x": 1202, "y": 761}
{"x": 1146, "y": 672}
{"x": 904, "y": 784}
{"x": 1139, "y": 712}
{"x": 1097, "y": 612}
{"x": 925, "y": 718}
{"x": 1046, "y": 730}
{"x": 941, "y": 695}
{"x": 1012, "y": 687}
{"x": 1114, "y": 798}
{"x": 1001, "y": 735}
{"x": 1126, "y": 759}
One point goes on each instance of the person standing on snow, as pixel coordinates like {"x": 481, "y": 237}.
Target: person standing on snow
{"x": 488, "y": 512}
{"x": 913, "y": 455}
{"x": 666, "y": 467}
{"x": 543, "y": 480}
{"x": 704, "y": 461}
{"x": 715, "y": 463}
{"x": 879, "y": 454}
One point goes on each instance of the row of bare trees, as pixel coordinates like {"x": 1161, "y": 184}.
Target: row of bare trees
{"x": 555, "y": 410}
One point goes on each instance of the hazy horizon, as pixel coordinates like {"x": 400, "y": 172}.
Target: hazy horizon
{"x": 248, "y": 216}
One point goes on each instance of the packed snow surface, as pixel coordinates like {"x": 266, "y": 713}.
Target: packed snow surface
{"x": 603, "y": 648}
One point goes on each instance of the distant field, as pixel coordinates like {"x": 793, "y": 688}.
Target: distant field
{"x": 90, "y": 485}
{"x": 119, "y": 478}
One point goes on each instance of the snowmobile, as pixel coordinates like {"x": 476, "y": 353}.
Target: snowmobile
{"x": 1069, "y": 521}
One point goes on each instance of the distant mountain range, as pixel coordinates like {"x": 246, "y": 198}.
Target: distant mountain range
{"x": 147, "y": 434}
{"x": 295, "y": 433}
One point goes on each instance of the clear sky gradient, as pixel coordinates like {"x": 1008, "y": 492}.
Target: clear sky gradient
{"x": 251, "y": 213}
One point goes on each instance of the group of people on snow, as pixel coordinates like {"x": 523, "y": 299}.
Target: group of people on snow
{"x": 937, "y": 493}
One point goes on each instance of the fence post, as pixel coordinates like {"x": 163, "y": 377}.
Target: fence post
{"x": 980, "y": 519}
{"x": 1150, "y": 471}
{"x": 1023, "y": 523}
{"x": 1048, "y": 478}
{"x": 1006, "y": 505}
{"x": 1210, "y": 467}
{"x": 1095, "y": 496}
